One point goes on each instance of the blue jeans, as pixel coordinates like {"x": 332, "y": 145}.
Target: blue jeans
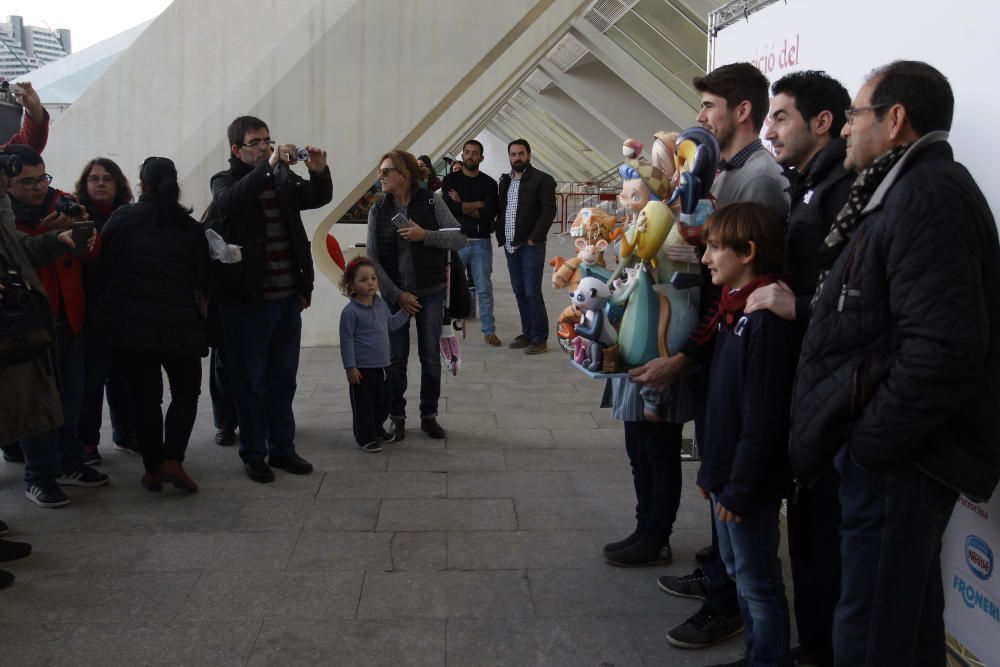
{"x": 428, "y": 347}
{"x": 750, "y": 551}
{"x": 892, "y": 599}
{"x": 47, "y": 455}
{"x": 526, "y": 266}
{"x": 478, "y": 256}
{"x": 262, "y": 354}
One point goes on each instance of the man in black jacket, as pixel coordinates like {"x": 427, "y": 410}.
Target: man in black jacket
{"x": 471, "y": 197}
{"x": 899, "y": 377}
{"x": 259, "y": 200}
{"x": 527, "y": 209}
{"x": 807, "y": 115}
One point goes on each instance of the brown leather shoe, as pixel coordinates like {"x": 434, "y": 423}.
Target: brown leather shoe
{"x": 491, "y": 339}
{"x": 152, "y": 482}
{"x": 178, "y": 476}
{"x": 537, "y": 348}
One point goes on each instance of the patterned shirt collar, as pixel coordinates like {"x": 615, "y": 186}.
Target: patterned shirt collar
{"x": 742, "y": 156}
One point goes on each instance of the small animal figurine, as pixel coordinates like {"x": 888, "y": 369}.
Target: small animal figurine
{"x": 590, "y": 297}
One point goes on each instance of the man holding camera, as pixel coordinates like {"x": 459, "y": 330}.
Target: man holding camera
{"x": 256, "y": 204}
{"x": 35, "y": 122}
{"x": 39, "y": 209}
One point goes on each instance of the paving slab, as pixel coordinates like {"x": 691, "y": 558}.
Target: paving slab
{"x": 447, "y": 514}
{"x": 448, "y": 594}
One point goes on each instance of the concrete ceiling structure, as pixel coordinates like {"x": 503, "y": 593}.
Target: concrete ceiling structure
{"x": 357, "y": 77}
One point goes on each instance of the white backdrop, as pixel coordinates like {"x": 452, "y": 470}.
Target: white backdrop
{"x": 849, "y": 38}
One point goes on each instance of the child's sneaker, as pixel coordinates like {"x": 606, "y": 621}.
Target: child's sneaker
{"x": 47, "y": 497}
{"x": 371, "y": 447}
{"x": 83, "y": 477}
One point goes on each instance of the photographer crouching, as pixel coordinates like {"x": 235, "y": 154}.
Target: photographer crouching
{"x": 39, "y": 209}
{"x": 30, "y": 408}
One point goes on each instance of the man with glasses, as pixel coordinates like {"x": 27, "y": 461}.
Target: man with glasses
{"x": 899, "y": 378}
{"x": 34, "y": 206}
{"x": 256, "y": 204}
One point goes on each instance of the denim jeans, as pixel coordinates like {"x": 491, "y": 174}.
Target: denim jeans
{"x": 654, "y": 453}
{"x": 892, "y": 599}
{"x": 750, "y": 551}
{"x": 262, "y": 353}
{"x": 429, "y": 350}
{"x": 100, "y": 374}
{"x": 47, "y": 455}
{"x": 478, "y": 257}
{"x": 526, "y": 266}
{"x": 223, "y": 402}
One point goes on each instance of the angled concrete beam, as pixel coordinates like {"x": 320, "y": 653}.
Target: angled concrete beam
{"x": 555, "y": 102}
{"x": 561, "y": 135}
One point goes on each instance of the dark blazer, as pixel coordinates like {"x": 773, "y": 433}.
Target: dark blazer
{"x": 536, "y": 207}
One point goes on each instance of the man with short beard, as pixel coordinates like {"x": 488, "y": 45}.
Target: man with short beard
{"x": 527, "y": 209}
{"x": 472, "y": 198}
{"x": 807, "y": 114}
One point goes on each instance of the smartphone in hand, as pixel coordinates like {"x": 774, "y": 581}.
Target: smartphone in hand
{"x": 400, "y": 221}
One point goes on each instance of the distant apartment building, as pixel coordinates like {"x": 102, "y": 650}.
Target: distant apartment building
{"x": 24, "y": 48}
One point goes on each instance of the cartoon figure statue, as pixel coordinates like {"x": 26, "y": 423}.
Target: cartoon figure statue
{"x": 590, "y": 298}
{"x": 696, "y": 159}
{"x": 593, "y": 230}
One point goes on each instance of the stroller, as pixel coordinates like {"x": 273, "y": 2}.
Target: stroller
{"x": 457, "y": 305}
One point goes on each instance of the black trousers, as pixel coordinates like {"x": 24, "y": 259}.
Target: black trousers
{"x": 654, "y": 453}
{"x": 223, "y": 401}
{"x": 161, "y": 438}
{"x": 814, "y": 551}
{"x": 370, "y": 404}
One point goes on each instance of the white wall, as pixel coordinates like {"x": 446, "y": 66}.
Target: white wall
{"x": 849, "y": 38}
{"x": 356, "y": 77}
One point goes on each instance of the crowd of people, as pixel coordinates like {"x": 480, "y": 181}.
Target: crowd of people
{"x": 846, "y": 359}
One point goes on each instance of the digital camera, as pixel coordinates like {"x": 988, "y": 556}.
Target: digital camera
{"x": 15, "y": 294}
{"x": 10, "y": 165}
{"x": 69, "y": 207}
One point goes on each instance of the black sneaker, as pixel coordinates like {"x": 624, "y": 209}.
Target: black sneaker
{"x": 292, "y": 463}
{"x": 259, "y": 471}
{"x": 385, "y": 436}
{"x": 13, "y": 550}
{"x": 704, "y": 629}
{"x": 6, "y": 579}
{"x": 85, "y": 476}
{"x": 371, "y": 447}
{"x": 642, "y": 553}
{"x": 225, "y": 438}
{"x": 705, "y": 554}
{"x": 398, "y": 429}
{"x": 13, "y": 454}
{"x": 48, "y": 497}
{"x": 742, "y": 662}
{"x": 694, "y": 585}
{"x": 520, "y": 342}
{"x": 431, "y": 427}
{"x": 621, "y": 544}
{"x": 129, "y": 447}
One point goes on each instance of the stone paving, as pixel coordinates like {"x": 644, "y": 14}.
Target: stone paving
{"x": 483, "y": 549}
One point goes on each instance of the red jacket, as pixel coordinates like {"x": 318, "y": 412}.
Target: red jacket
{"x": 63, "y": 279}
{"x": 31, "y": 133}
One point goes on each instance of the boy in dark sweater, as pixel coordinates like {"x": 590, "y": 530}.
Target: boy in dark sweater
{"x": 744, "y": 470}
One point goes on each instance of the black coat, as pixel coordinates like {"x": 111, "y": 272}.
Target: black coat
{"x": 236, "y": 212}
{"x": 536, "y": 207}
{"x": 149, "y": 273}
{"x": 817, "y": 196}
{"x": 744, "y": 458}
{"x": 901, "y": 360}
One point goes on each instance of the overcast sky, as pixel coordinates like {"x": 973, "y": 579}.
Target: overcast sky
{"x": 90, "y": 22}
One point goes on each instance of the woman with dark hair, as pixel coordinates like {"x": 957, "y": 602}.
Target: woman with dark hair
{"x": 101, "y": 188}
{"x": 410, "y": 231}
{"x": 151, "y": 307}
{"x": 433, "y": 180}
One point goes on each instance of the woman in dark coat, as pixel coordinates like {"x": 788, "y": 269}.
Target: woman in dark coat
{"x": 153, "y": 272}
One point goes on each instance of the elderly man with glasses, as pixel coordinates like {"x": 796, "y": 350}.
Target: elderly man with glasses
{"x": 256, "y": 204}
